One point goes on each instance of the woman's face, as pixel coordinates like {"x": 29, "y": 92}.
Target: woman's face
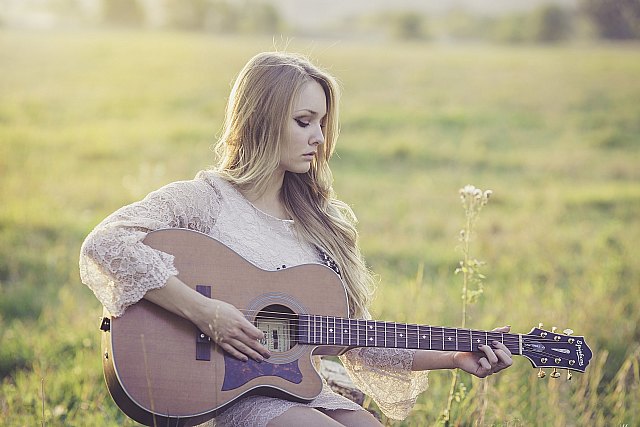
{"x": 306, "y": 129}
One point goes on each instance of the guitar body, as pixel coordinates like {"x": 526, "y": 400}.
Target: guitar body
{"x": 161, "y": 371}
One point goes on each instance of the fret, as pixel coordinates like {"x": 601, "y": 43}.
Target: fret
{"x": 302, "y": 325}
{"x": 403, "y": 336}
{"x": 476, "y": 338}
{"x": 353, "y": 331}
{"x": 449, "y": 336}
{"x": 380, "y": 338}
{"x": 358, "y": 333}
{"x": 396, "y": 334}
{"x": 371, "y": 331}
{"x": 464, "y": 339}
{"x": 424, "y": 333}
{"x": 456, "y": 340}
{"x": 313, "y": 340}
{"x": 386, "y": 337}
{"x": 413, "y": 336}
{"x": 366, "y": 332}
{"x": 437, "y": 335}
{"x": 333, "y": 330}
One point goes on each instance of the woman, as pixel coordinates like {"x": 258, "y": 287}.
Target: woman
{"x": 270, "y": 199}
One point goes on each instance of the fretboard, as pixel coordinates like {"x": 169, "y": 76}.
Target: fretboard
{"x": 328, "y": 330}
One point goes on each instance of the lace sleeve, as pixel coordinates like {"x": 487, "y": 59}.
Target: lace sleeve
{"x": 385, "y": 374}
{"x": 114, "y": 262}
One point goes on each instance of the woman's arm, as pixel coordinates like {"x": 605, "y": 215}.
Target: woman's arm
{"x": 221, "y": 321}
{"x": 490, "y": 360}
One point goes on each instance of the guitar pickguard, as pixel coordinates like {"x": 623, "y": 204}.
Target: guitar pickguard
{"x": 237, "y": 373}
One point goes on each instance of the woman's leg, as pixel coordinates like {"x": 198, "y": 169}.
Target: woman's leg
{"x": 354, "y": 418}
{"x": 310, "y": 417}
{"x": 303, "y": 416}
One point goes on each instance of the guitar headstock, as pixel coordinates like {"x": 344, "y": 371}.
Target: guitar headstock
{"x": 547, "y": 349}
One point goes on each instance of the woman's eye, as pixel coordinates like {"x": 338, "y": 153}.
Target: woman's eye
{"x": 301, "y": 123}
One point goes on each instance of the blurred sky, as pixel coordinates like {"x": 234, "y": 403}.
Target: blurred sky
{"x": 37, "y": 14}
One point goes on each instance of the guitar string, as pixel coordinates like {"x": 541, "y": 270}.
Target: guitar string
{"x": 419, "y": 329}
{"x": 509, "y": 339}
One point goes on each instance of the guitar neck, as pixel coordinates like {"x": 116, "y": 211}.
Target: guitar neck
{"x": 337, "y": 331}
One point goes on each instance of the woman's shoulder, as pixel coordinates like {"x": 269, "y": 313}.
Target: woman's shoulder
{"x": 222, "y": 187}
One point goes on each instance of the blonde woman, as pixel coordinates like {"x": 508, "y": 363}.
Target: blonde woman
{"x": 270, "y": 199}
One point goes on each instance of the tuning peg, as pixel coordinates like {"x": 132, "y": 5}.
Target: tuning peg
{"x": 555, "y": 373}
{"x": 553, "y": 329}
{"x": 540, "y": 325}
{"x": 569, "y": 332}
{"x": 569, "y": 376}
{"x": 541, "y": 373}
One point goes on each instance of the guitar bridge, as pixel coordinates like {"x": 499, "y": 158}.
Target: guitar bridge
{"x": 203, "y": 342}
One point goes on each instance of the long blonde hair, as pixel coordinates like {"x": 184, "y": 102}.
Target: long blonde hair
{"x": 256, "y": 117}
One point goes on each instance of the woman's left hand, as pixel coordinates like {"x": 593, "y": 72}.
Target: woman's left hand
{"x": 492, "y": 358}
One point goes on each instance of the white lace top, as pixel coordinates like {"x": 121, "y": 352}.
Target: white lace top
{"x": 120, "y": 269}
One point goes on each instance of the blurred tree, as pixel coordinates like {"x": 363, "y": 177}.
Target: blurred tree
{"x": 551, "y": 23}
{"x": 187, "y": 14}
{"x": 614, "y": 19}
{"x": 123, "y": 13}
{"x": 223, "y": 16}
{"x": 260, "y": 18}
{"x": 514, "y": 28}
{"x": 407, "y": 25}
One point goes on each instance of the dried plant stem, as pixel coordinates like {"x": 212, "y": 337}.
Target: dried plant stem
{"x": 42, "y": 390}
{"x": 473, "y": 199}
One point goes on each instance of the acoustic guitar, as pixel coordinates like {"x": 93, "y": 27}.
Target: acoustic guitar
{"x": 161, "y": 370}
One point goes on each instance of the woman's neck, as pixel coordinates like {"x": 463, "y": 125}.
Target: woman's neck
{"x": 270, "y": 200}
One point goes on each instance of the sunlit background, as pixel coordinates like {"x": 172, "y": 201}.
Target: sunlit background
{"x": 539, "y": 101}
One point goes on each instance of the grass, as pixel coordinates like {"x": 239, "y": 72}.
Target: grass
{"x": 91, "y": 121}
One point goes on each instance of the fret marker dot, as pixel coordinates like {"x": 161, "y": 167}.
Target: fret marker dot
{"x": 477, "y": 341}
{"x": 449, "y": 338}
{"x": 345, "y": 331}
{"x": 370, "y": 339}
{"x": 401, "y": 335}
{"x": 424, "y": 336}
{"x": 331, "y": 330}
{"x": 370, "y": 327}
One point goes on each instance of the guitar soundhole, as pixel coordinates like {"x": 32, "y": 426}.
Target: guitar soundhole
{"x": 280, "y": 327}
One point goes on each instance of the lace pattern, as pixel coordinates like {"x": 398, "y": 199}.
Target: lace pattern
{"x": 120, "y": 269}
{"x": 385, "y": 374}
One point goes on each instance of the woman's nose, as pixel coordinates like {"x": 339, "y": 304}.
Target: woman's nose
{"x": 318, "y": 135}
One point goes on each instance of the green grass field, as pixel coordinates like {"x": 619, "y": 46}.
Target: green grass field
{"x": 91, "y": 121}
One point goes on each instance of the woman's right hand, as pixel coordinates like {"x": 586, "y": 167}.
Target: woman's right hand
{"x": 229, "y": 329}
{"x": 224, "y": 323}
